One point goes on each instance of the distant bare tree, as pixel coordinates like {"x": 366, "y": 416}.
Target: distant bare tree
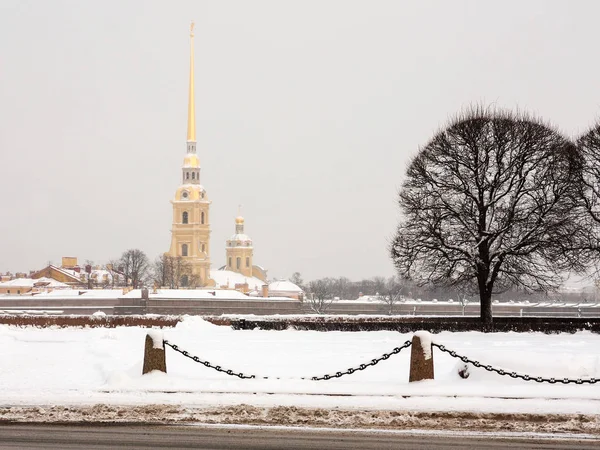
{"x": 183, "y": 274}
{"x": 378, "y": 285}
{"x": 112, "y": 267}
{"x": 390, "y": 294}
{"x": 134, "y": 263}
{"x": 174, "y": 272}
{"x": 341, "y": 287}
{"x": 490, "y": 202}
{"x": 296, "y": 278}
{"x": 320, "y": 296}
{"x": 462, "y": 298}
{"x": 160, "y": 270}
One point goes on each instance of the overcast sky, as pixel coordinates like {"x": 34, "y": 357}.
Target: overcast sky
{"x": 307, "y": 115}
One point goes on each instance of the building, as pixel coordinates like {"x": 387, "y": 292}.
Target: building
{"x": 69, "y": 275}
{"x": 72, "y": 274}
{"x": 239, "y": 253}
{"x": 190, "y": 232}
{"x": 285, "y": 288}
{"x": 22, "y": 286}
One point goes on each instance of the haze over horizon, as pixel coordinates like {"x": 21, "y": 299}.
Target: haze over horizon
{"x": 307, "y": 114}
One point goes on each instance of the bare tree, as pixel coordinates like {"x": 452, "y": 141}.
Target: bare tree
{"x": 320, "y": 296}
{"x": 134, "y": 263}
{"x": 378, "y": 285}
{"x": 296, "y": 278}
{"x": 160, "y": 270}
{"x": 489, "y": 202}
{"x": 589, "y": 148}
{"x": 390, "y": 294}
{"x": 112, "y": 267}
{"x": 341, "y": 287}
{"x": 174, "y": 272}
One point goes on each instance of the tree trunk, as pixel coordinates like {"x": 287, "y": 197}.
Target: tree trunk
{"x": 485, "y": 300}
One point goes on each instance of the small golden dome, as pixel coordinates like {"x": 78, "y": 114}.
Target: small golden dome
{"x": 191, "y": 160}
{"x": 239, "y": 220}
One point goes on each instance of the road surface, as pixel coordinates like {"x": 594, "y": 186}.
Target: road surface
{"x": 19, "y": 436}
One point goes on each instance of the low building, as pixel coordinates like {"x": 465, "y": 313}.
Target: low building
{"x": 72, "y": 274}
{"x": 285, "y": 288}
{"x": 20, "y": 286}
{"x": 227, "y": 279}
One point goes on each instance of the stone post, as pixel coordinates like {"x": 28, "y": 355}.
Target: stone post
{"x": 154, "y": 354}
{"x": 421, "y": 357}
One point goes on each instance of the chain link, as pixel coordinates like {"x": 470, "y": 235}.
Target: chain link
{"x": 502, "y": 372}
{"x": 349, "y": 371}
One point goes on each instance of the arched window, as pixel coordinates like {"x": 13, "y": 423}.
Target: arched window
{"x": 238, "y": 262}
{"x": 247, "y": 261}
{"x": 227, "y": 264}
{"x": 202, "y": 217}
{"x": 184, "y": 251}
{"x": 187, "y": 175}
{"x": 193, "y": 175}
{"x": 203, "y": 248}
{"x": 184, "y": 217}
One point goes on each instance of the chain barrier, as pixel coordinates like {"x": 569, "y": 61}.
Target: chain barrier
{"x": 374, "y": 361}
{"x": 208, "y": 364}
{"x": 350, "y": 371}
{"x": 502, "y": 372}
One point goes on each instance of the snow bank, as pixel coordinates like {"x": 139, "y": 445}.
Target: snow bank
{"x": 99, "y": 365}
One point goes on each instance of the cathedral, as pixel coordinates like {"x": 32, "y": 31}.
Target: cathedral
{"x": 190, "y": 232}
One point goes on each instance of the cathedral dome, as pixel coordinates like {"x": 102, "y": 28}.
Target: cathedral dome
{"x": 191, "y": 160}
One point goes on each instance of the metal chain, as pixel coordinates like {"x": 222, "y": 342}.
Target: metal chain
{"x": 207, "y": 364}
{"x": 374, "y": 361}
{"x": 350, "y": 371}
{"x": 489, "y": 368}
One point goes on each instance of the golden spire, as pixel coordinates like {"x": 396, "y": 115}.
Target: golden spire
{"x": 191, "y": 131}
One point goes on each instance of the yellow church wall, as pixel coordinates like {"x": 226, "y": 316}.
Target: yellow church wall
{"x": 239, "y": 252}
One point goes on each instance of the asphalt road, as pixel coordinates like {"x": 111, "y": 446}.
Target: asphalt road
{"x": 17, "y": 436}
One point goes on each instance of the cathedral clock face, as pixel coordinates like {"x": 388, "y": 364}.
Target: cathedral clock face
{"x": 184, "y": 195}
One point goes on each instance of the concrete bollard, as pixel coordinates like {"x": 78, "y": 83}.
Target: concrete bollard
{"x": 421, "y": 357}
{"x": 154, "y": 354}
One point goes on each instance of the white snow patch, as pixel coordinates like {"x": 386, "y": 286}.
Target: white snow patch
{"x": 157, "y": 338}
{"x": 426, "y": 341}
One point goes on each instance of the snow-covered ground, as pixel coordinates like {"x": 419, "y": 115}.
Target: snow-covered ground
{"x": 60, "y": 369}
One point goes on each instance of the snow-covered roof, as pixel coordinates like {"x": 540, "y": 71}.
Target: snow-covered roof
{"x": 67, "y": 272}
{"x": 193, "y": 294}
{"x": 238, "y": 237}
{"x": 34, "y": 282}
{"x": 73, "y": 294}
{"x": 283, "y": 286}
{"x": 230, "y": 279}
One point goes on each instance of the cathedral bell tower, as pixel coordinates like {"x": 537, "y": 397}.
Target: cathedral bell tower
{"x": 239, "y": 250}
{"x": 190, "y": 233}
